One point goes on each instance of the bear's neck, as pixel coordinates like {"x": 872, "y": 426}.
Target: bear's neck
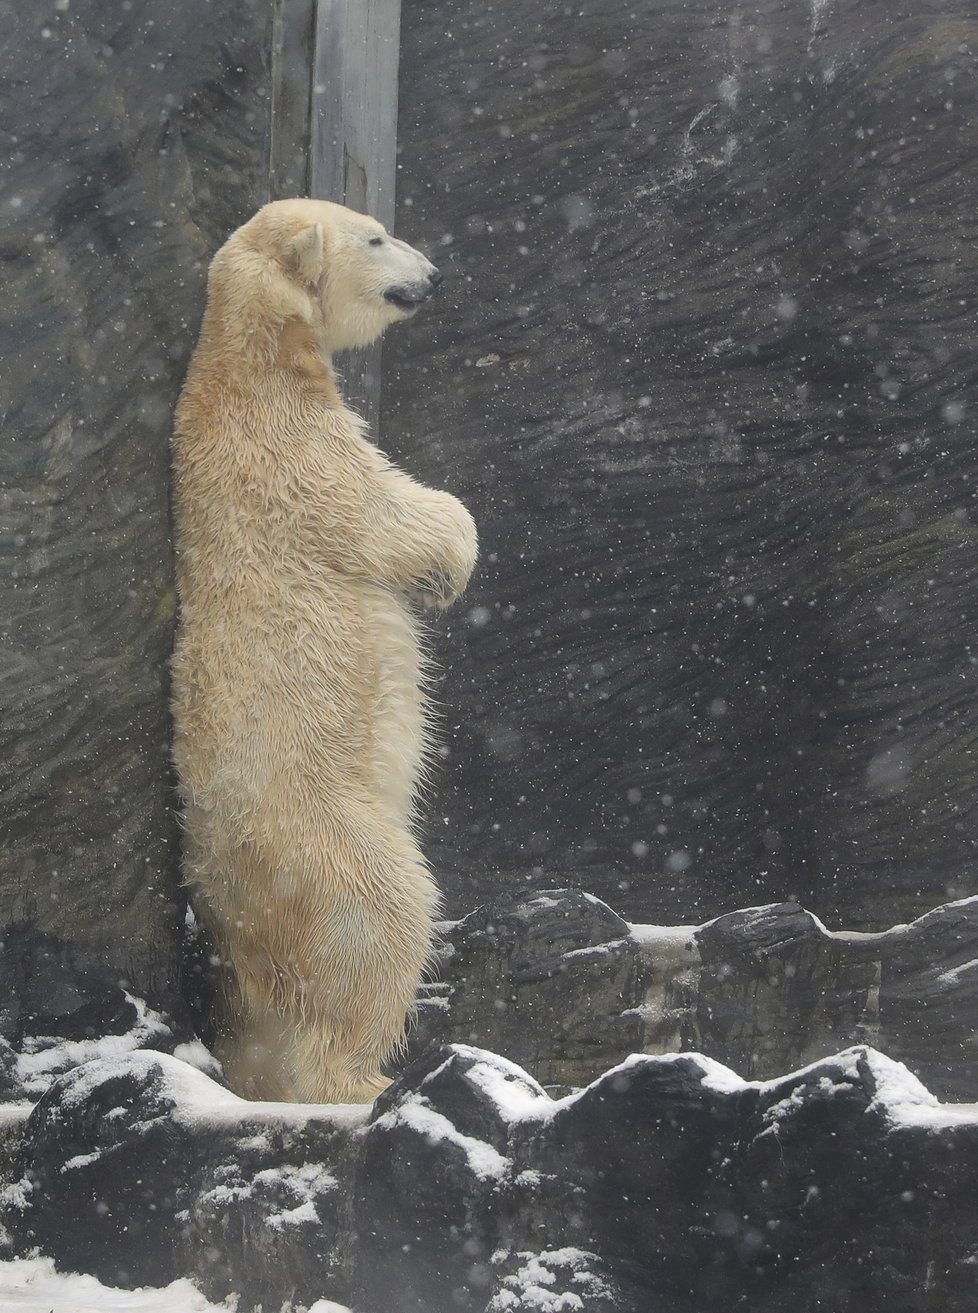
{"x": 253, "y": 348}
{"x": 300, "y": 354}
{"x": 274, "y": 330}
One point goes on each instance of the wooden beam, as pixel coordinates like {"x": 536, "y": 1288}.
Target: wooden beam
{"x": 293, "y": 40}
{"x": 353, "y": 136}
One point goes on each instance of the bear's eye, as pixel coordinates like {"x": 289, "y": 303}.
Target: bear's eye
{"x": 376, "y": 241}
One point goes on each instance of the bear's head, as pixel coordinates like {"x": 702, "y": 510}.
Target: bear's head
{"x": 339, "y": 270}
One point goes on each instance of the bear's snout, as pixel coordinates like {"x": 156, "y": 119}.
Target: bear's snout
{"x": 408, "y": 296}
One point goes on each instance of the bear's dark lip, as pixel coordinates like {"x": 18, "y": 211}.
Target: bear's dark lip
{"x": 400, "y": 300}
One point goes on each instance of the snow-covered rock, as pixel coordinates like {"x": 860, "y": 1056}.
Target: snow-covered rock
{"x": 559, "y": 983}
{"x": 59, "y": 1009}
{"x": 32, "y": 1285}
{"x": 140, "y": 1169}
{"x": 668, "y": 1184}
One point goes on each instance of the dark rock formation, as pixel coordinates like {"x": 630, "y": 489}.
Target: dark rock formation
{"x": 559, "y": 983}
{"x": 141, "y": 1170}
{"x": 668, "y": 1184}
{"x": 551, "y": 981}
{"x": 60, "y": 1008}
{"x": 705, "y": 375}
{"x": 11, "y": 1086}
{"x": 136, "y": 140}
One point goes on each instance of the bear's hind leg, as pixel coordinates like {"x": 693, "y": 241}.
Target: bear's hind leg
{"x": 366, "y": 957}
{"x": 324, "y": 964}
{"x": 258, "y": 1056}
{"x": 329, "y": 1070}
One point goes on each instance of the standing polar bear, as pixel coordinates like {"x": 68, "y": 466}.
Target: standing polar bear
{"x": 302, "y": 556}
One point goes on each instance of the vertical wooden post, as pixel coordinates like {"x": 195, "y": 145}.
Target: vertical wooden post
{"x": 293, "y": 43}
{"x": 353, "y": 136}
{"x": 334, "y": 126}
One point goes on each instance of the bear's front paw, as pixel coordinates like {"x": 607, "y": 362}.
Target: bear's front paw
{"x": 434, "y": 591}
{"x": 445, "y": 579}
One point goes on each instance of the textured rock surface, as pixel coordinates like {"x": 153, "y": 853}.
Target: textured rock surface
{"x": 557, "y": 982}
{"x": 668, "y": 1184}
{"x": 58, "y": 1011}
{"x": 706, "y": 380}
{"x": 704, "y": 373}
{"x": 551, "y": 981}
{"x": 133, "y": 146}
{"x": 157, "y": 1173}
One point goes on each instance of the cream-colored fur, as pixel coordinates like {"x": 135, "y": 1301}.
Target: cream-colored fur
{"x": 302, "y": 558}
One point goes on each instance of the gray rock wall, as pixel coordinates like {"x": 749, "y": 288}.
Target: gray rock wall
{"x": 704, "y": 371}
{"x": 137, "y": 140}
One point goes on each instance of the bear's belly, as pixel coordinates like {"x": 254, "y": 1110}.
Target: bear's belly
{"x": 397, "y": 721}
{"x": 296, "y": 701}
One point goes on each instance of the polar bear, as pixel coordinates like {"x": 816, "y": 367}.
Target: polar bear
{"x": 303, "y": 559}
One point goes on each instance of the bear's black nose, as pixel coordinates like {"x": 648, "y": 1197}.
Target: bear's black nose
{"x": 435, "y": 277}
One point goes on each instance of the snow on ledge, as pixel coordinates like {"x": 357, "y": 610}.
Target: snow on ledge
{"x": 199, "y": 1102}
{"x": 32, "y": 1285}
{"x": 899, "y": 1096}
{"x": 662, "y": 936}
{"x": 669, "y": 935}
{"x": 44, "y": 1058}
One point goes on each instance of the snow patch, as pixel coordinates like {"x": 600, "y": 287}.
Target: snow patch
{"x": 595, "y": 901}
{"x": 417, "y": 1113}
{"x": 45, "y": 1057}
{"x": 196, "y": 1055}
{"x": 900, "y": 1096}
{"x": 80, "y": 1160}
{"x": 536, "y": 1283}
{"x": 592, "y": 950}
{"x": 31, "y": 1285}
{"x": 953, "y": 975}
{"x": 672, "y": 937}
{"x": 299, "y": 1185}
{"x": 506, "y": 1084}
{"x": 714, "y": 1075}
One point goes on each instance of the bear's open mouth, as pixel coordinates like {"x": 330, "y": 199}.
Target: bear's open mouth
{"x": 400, "y": 299}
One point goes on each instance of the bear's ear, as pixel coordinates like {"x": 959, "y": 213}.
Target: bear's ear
{"x": 304, "y": 253}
